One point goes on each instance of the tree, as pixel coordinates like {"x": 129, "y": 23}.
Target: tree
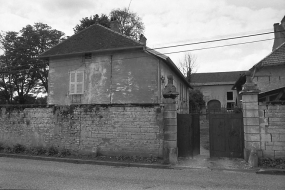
{"x": 95, "y": 19}
{"x": 188, "y": 66}
{"x": 22, "y": 73}
{"x": 196, "y": 100}
{"x": 130, "y": 23}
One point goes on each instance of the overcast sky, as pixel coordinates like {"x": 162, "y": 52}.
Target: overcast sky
{"x": 168, "y": 22}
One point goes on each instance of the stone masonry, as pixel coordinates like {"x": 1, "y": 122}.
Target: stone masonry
{"x": 272, "y": 130}
{"x": 105, "y": 129}
{"x": 264, "y": 125}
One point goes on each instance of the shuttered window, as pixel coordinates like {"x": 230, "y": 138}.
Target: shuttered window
{"x": 76, "y": 82}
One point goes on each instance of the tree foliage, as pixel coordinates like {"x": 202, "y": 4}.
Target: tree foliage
{"x": 95, "y": 19}
{"x": 196, "y": 100}
{"x": 22, "y": 73}
{"x": 130, "y": 23}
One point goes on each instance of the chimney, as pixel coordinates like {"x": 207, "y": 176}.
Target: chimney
{"x": 279, "y": 34}
{"x": 114, "y": 25}
{"x": 143, "y": 39}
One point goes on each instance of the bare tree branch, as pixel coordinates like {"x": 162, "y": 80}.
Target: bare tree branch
{"x": 188, "y": 65}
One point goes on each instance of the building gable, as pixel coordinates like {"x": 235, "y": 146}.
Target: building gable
{"x": 92, "y": 39}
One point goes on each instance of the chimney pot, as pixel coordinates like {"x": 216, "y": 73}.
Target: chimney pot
{"x": 143, "y": 39}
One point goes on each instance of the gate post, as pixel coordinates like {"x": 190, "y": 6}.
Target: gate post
{"x": 250, "y": 116}
{"x": 170, "y": 151}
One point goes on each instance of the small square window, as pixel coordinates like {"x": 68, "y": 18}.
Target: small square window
{"x": 230, "y": 96}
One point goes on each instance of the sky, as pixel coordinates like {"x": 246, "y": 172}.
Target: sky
{"x": 169, "y": 23}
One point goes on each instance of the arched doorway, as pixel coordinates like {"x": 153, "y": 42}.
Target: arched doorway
{"x": 214, "y": 105}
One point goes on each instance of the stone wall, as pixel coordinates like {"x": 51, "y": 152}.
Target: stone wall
{"x": 106, "y": 129}
{"x": 264, "y": 125}
{"x": 272, "y": 130}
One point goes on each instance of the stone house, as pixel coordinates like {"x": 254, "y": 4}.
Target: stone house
{"x": 268, "y": 75}
{"x": 101, "y": 66}
{"x": 216, "y": 88}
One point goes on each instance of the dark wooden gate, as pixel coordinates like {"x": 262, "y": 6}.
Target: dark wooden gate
{"x": 226, "y": 134}
{"x": 188, "y": 135}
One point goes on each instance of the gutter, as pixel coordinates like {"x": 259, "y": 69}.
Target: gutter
{"x": 92, "y": 51}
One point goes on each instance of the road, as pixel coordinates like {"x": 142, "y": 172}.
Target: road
{"x": 33, "y": 174}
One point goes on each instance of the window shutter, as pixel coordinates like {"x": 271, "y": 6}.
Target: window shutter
{"x": 72, "y": 83}
{"x": 80, "y": 82}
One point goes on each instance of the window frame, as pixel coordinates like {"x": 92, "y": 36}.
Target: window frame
{"x": 74, "y": 84}
{"x": 230, "y": 100}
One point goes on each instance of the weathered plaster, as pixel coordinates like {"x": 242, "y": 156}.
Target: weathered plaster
{"x": 182, "y": 89}
{"x": 116, "y": 77}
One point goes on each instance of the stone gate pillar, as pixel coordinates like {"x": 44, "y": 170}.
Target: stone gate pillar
{"x": 170, "y": 151}
{"x": 250, "y": 116}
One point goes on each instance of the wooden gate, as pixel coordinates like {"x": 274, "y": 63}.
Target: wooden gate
{"x": 188, "y": 135}
{"x": 226, "y": 134}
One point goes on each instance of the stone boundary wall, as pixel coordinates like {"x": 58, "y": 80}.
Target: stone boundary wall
{"x": 105, "y": 129}
{"x": 272, "y": 130}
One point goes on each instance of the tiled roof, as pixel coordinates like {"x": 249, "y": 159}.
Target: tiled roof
{"x": 276, "y": 57}
{"x": 93, "y": 38}
{"x": 215, "y": 78}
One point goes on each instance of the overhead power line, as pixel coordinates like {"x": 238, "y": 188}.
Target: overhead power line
{"x": 158, "y": 54}
{"x": 217, "y": 40}
{"x": 219, "y": 46}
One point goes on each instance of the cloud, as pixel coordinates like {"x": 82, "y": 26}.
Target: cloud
{"x": 167, "y": 23}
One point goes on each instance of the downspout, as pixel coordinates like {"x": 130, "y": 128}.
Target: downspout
{"x": 159, "y": 82}
{"x": 111, "y": 85}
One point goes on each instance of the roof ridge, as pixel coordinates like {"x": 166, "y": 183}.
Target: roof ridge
{"x": 276, "y": 49}
{"x": 119, "y": 34}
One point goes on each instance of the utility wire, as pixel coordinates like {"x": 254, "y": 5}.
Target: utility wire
{"x": 158, "y": 54}
{"x": 219, "y": 46}
{"x": 217, "y": 40}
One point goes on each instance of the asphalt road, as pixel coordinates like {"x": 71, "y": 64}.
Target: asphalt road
{"x": 33, "y": 174}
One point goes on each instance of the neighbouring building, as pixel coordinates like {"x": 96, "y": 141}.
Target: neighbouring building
{"x": 269, "y": 73}
{"x": 217, "y": 88}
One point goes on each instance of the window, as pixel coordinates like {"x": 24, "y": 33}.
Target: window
{"x": 76, "y": 82}
{"x": 230, "y": 96}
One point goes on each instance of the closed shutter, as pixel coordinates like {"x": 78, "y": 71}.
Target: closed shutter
{"x": 72, "y": 83}
{"x": 79, "y": 82}
{"x": 76, "y": 83}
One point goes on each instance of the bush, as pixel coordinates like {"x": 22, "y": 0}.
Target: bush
{"x": 2, "y": 147}
{"x": 39, "y": 150}
{"x": 64, "y": 152}
{"x": 18, "y": 148}
{"x": 8, "y": 149}
{"x": 272, "y": 163}
{"x": 52, "y": 151}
